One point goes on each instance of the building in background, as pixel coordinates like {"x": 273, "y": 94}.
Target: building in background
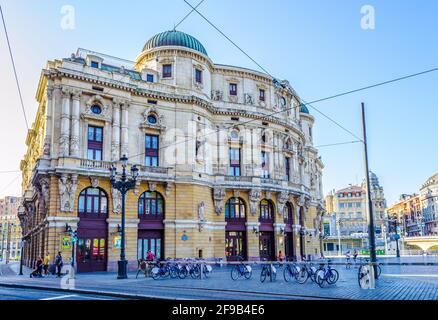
{"x": 220, "y": 177}
{"x": 10, "y": 230}
{"x": 346, "y": 223}
{"x": 409, "y": 215}
{"x": 429, "y": 204}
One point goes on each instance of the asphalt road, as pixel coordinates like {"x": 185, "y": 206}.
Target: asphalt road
{"x": 32, "y": 294}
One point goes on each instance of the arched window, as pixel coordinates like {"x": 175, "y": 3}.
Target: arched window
{"x": 266, "y": 210}
{"x": 151, "y": 205}
{"x": 288, "y": 213}
{"x": 235, "y": 209}
{"x": 93, "y": 201}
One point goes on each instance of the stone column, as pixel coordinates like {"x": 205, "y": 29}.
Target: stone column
{"x": 125, "y": 130}
{"x": 115, "y": 143}
{"x": 75, "y": 113}
{"x": 64, "y": 140}
{"x": 49, "y": 110}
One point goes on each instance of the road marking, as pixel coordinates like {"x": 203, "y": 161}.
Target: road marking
{"x": 60, "y": 297}
{"x": 412, "y": 275}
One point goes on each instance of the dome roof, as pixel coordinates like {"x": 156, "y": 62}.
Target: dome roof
{"x": 174, "y": 38}
{"x": 304, "y": 109}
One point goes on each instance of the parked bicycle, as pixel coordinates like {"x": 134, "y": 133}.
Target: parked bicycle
{"x": 241, "y": 270}
{"x": 307, "y": 271}
{"x": 161, "y": 270}
{"x": 268, "y": 270}
{"x": 364, "y": 274}
{"x": 327, "y": 275}
{"x": 291, "y": 271}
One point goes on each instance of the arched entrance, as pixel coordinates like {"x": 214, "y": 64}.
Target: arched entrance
{"x": 151, "y": 226}
{"x": 91, "y": 254}
{"x": 235, "y": 230}
{"x": 289, "y": 245}
{"x": 266, "y": 237}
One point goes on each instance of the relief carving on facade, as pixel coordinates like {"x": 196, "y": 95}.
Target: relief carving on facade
{"x": 94, "y": 182}
{"x": 249, "y": 99}
{"x": 67, "y": 185}
{"x": 282, "y": 198}
{"x": 218, "y": 198}
{"x": 43, "y": 192}
{"x": 216, "y": 95}
{"x": 254, "y": 199}
{"x": 105, "y": 112}
{"x": 168, "y": 188}
{"x": 117, "y": 200}
{"x": 201, "y": 215}
{"x": 152, "y": 186}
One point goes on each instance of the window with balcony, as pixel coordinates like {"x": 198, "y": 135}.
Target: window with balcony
{"x": 234, "y": 169}
{"x": 265, "y": 164}
{"x": 233, "y": 89}
{"x": 167, "y": 71}
{"x": 95, "y": 143}
{"x": 151, "y": 150}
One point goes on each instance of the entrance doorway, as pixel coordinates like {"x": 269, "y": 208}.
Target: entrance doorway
{"x": 267, "y": 245}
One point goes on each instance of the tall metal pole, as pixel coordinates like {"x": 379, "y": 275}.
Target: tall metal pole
{"x": 372, "y": 237}
{"x": 123, "y": 263}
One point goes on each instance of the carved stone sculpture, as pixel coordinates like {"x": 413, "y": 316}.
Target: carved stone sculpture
{"x": 254, "y": 198}
{"x": 218, "y": 197}
{"x": 67, "y": 189}
{"x": 117, "y": 200}
{"x": 281, "y": 201}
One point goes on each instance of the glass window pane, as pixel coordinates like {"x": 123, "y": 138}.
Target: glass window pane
{"x": 90, "y": 154}
{"x": 99, "y": 134}
{"x": 98, "y": 155}
{"x": 140, "y": 249}
{"x": 90, "y": 133}
{"x": 102, "y": 249}
{"x": 95, "y": 248}
{"x": 145, "y": 247}
{"x": 95, "y": 205}
{"x": 89, "y": 201}
{"x": 81, "y": 204}
{"x": 153, "y": 246}
{"x": 88, "y": 249}
{"x": 158, "y": 249}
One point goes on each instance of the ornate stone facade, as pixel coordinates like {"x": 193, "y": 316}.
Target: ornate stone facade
{"x": 178, "y": 117}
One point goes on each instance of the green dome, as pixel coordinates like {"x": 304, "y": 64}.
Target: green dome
{"x": 303, "y": 109}
{"x": 174, "y": 38}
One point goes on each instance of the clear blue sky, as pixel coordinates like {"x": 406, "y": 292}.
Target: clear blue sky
{"x": 318, "y": 46}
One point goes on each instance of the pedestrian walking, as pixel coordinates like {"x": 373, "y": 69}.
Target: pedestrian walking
{"x": 46, "y": 263}
{"x": 59, "y": 263}
{"x": 355, "y": 254}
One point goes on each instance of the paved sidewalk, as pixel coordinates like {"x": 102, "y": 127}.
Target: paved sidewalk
{"x": 393, "y": 285}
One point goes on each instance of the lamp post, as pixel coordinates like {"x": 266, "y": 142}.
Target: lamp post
{"x": 23, "y": 241}
{"x": 124, "y": 184}
{"x": 396, "y": 235}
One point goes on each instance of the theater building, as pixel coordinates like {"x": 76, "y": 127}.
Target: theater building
{"x": 226, "y": 158}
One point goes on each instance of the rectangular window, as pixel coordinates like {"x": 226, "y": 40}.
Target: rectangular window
{"x": 151, "y": 150}
{"x": 262, "y": 95}
{"x": 233, "y": 89}
{"x": 167, "y": 71}
{"x": 287, "y": 168}
{"x": 95, "y": 64}
{"x": 234, "y": 162}
{"x": 198, "y": 75}
{"x": 150, "y": 77}
{"x": 95, "y": 143}
{"x": 265, "y": 164}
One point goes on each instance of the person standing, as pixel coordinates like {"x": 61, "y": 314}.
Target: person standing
{"x": 58, "y": 263}
{"x": 46, "y": 263}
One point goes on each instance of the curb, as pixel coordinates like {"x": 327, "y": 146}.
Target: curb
{"x": 89, "y": 292}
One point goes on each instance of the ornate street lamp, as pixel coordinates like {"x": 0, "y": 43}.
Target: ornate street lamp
{"x": 124, "y": 184}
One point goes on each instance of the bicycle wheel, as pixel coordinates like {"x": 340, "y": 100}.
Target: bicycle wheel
{"x": 156, "y": 275}
{"x": 320, "y": 279}
{"x": 173, "y": 272}
{"x": 333, "y": 276}
{"x": 182, "y": 273}
{"x": 301, "y": 277}
{"x": 248, "y": 272}
{"x": 287, "y": 274}
{"x": 235, "y": 273}
{"x": 379, "y": 271}
{"x": 263, "y": 275}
